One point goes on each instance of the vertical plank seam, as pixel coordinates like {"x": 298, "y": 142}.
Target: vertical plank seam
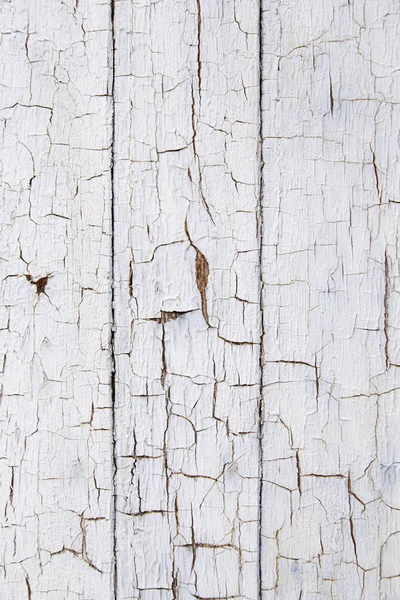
{"x": 112, "y": 332}
{"x": 261, "y": 301}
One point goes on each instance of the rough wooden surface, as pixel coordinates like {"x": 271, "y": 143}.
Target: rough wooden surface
{"x": 187, "y": 299}
{"x": 55, "y": 418}
{"x": 331, "y": 375}
{"x": 199, "y": 282}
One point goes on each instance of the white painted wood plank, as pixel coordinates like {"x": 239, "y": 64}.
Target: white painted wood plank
{"x": 187, "y": 299}
{"x": 330, "y": 516}
{"x": 55, "y": 419}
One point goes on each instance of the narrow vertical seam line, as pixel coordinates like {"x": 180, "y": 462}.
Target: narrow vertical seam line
{"x": 261, "y": 300}
{"x": 113, "y": 325}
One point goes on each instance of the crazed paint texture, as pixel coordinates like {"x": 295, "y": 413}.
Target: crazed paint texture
{"x": 55, "y": 410}
{"x": 330, "y": 270}
{"x": 199, "y": 282}
{"x": 187, "y": 299}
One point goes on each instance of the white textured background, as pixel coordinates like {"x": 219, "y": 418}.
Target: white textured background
{"x": 200, "y": 300}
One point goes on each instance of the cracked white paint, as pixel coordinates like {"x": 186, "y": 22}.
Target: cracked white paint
{"x": 330, "y": 268}
{"x": 188, "y": 320}
{"x": 55, "y": 411}
{"x": 234, "y": 434}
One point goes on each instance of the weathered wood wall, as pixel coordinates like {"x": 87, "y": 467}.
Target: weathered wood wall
{"x": 199, "y": 281}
